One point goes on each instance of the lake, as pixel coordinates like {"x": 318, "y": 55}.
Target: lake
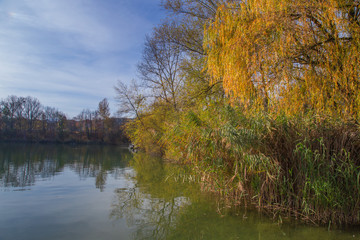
{"x": 105, "y": 192}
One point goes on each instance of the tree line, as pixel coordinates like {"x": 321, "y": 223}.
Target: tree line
{"x": 26, "y": 119}
{"x": 260, "y": 97}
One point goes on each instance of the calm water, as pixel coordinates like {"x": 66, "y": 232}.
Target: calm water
{"x": 98, "y": 192}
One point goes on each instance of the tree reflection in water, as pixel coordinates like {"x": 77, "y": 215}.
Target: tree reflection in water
{"x": 163, "y": 204}
{"x": 22, "y": 164}
{"x": 158, "y": 201}
{"x": 155, "y": 200}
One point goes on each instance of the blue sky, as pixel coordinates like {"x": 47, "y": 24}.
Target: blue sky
{"x": 70, "y": 53}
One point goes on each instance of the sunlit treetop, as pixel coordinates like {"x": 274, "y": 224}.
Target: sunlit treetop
{"x": 288, "y": 56}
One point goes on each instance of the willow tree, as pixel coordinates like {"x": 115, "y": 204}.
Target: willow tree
{"x": 288, "y": 55}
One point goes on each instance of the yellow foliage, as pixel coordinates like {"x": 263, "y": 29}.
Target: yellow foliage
{"x": 287, "y": 56}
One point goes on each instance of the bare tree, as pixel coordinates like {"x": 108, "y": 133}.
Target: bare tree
{"x": 130, "y": 99}
{"x": 186, "y": 29}
{"x": 85, "y": 118}
{"x": 32, "y": 111}
{"x": 160, "y": 68}
{"x": 9, "y": 108}
{"x": 51, "y": 119}
{"x": 104, "y": 109}
{"x": 102, "y": 117}
{"x": 19, "y": 114}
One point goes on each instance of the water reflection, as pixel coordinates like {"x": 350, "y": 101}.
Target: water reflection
{"x": 144, "y": 199}
{"x": 164, "y": 203}
{"x": 21, "y": 165}
{"x": 155, "y": 201}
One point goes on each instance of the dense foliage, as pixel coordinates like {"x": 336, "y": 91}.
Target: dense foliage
{"x": 288, "y": 56}
{"x": 261, "y": 98}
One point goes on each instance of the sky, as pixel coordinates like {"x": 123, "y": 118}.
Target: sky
{"x": 70, "y": 54}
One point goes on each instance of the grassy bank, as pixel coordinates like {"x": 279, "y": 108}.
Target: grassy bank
{"x": 261, "y": 98}
{"x": 304, "y": 166}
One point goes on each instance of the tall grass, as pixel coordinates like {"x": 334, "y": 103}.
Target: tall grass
{"x": 308, "y": 167}
{"x": 320, "y": 171}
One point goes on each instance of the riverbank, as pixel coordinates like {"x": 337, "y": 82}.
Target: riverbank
{"x": 67, "y": 142}
{"x": 106, "y": 192}
{"x": 262, "y": 105}
{"x": 114, "y": 138}
{"x": 304, "y": 167}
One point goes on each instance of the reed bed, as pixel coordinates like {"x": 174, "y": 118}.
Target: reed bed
{"x": 306, "y": 167}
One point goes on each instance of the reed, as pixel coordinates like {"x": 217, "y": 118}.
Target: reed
{"x": 307, "y": 167}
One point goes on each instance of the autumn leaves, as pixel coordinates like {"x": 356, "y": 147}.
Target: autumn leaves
{"x": 288, "y": 56}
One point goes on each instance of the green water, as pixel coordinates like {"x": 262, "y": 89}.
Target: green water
{"x": 104, "y": 192}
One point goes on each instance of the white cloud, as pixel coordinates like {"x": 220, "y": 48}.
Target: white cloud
{"x": 70, "y": 53}
{"x": 72, "y": 21}
{"x": 85, "y": 23}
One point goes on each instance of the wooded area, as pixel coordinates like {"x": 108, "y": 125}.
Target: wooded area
{"x": 25, "y": 119}
{"x": 261, "y": 98}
